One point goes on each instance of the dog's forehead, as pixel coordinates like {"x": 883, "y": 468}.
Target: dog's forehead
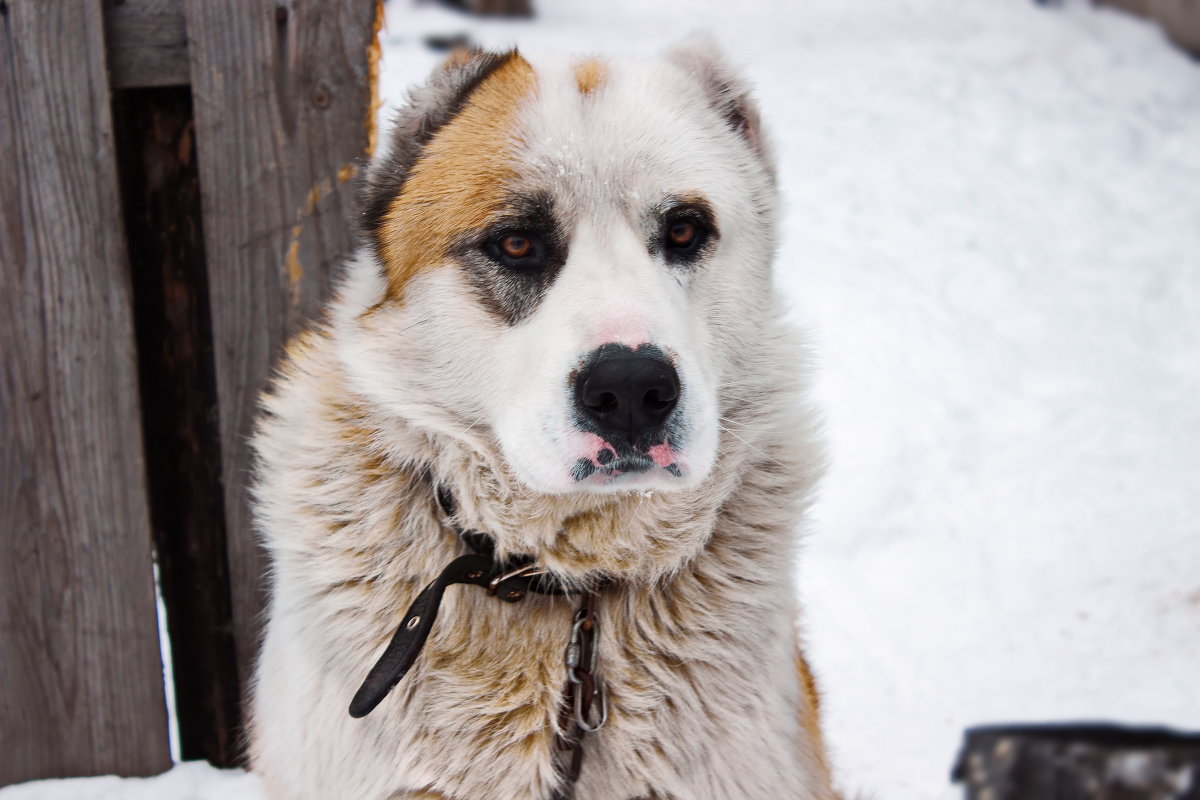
{"x": 619, "y": 129}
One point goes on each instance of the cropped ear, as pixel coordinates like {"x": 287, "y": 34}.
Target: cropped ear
{"x": 429, "y": 109}
{"x": 727, "y": 91}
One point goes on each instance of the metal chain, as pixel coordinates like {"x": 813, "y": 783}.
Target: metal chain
{"x": 580, "y": 657}
{"x": 584, "y": 691}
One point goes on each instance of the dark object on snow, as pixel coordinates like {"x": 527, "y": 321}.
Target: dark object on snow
{"x": 1078, "y": 762}
{"x": 493, "y": 8}
{"x": 445, "y": 42}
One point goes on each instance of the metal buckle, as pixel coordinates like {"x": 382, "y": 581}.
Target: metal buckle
{"x": 526, "y": 571}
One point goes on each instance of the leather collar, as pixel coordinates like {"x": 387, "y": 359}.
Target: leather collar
{"x": 509, "y": 580}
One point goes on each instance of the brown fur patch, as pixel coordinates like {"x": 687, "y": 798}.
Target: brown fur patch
{"x": 458, "y": 182}
{"x": 810, "y": 713}
{"x": 808, "y": 685}
{"x": 589, "y": 75}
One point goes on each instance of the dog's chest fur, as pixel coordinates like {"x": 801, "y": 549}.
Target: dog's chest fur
{"x": 698, "y": 647}
{"x": 699, "y": 667}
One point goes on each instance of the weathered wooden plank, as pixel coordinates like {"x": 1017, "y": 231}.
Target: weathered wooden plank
{"x": 283, "y": 97}
{"x": 147, "y": 43}
{"x": 160, "y": 190}
{"x": 81, "y": 687}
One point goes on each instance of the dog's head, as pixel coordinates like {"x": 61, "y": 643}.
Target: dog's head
{"x": 574, "y": 257}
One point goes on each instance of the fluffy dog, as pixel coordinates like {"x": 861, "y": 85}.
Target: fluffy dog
{"x": 561, "y": 317}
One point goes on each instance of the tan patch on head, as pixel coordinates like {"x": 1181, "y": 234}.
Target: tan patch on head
{"x": 457, "y": 184}
{"x": 589, "y": 75}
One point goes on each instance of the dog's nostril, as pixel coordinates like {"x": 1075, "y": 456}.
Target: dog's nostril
{"x": 659, "y": 399}
{"x": 604, "y": 403}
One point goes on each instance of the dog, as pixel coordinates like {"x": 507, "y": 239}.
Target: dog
{"x": 556, "y": 358}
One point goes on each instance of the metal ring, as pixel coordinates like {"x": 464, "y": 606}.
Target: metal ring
{"x": 583, "y": 724}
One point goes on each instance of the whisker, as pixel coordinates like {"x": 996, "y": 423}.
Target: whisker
{"x": 752, "y": 447}
{"x": 465, "y": 430}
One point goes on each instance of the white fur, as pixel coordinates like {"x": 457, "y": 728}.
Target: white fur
{"x": 698, "y": 638}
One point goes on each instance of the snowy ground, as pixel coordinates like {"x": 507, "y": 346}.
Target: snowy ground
{"x": 993, "y": 232}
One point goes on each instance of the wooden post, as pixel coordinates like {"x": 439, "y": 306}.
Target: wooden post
{"x": 81, "y": 688}
{"x": 284, "y": 108}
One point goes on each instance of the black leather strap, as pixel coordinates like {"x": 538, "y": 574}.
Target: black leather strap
{"x": 506, "y": 581}
{"x": 414, "y": 629}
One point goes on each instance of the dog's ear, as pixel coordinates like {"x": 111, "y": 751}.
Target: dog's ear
{"x": 429, "y": 108}
{"x": 728, "y": 93}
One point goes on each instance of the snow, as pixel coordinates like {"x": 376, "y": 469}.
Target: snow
{"x": 191, "y": 780}
{"x": 993, "y": 234}
{"x": 992, "y": 230}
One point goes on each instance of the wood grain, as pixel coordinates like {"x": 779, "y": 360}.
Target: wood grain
{"x": 81, "y": 687}
{"x": 147, "y": 43}
{"x": 282, "y": 95}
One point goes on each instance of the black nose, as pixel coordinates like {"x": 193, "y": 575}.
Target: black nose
{"x": 627, "y": 393}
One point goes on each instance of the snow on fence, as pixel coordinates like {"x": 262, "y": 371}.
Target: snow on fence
{"x": 177, "y": 189}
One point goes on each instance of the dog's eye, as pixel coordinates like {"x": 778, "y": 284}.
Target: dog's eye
{"x": 683, "y": 238}
{"x": 681, "y": 234}
{"x": 516, "y": 246}
{"x": 516, "y": 251}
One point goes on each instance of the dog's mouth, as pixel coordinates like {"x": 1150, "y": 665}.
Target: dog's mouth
{"x": 608, "y": 462}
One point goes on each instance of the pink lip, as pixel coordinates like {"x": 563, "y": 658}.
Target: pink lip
{"x": 662, "y": 454}
{"x": 594, "y": 445}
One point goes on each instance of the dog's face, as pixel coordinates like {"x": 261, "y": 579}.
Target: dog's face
{"x": 575, "y": 257}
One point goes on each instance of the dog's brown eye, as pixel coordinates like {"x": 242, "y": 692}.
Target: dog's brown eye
{"x": 683, "y": 238}
{"x": 519, "y": 251}
{"x": 516, "y": 246}
{"x": 681, "y": 234}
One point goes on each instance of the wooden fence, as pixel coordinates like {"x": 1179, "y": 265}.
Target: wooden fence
{"x": 175, "y": 195}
